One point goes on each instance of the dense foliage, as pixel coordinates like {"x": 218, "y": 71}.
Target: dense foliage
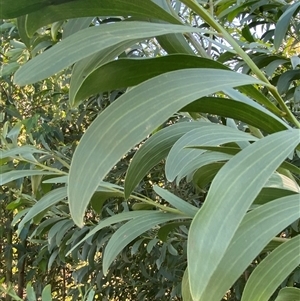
{"x": 150, "y": 150}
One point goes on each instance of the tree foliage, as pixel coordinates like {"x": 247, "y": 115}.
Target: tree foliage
{"x": 150, "y": 150}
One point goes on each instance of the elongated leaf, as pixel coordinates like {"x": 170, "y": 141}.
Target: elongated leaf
{"x": 83, "y": 68}
{"x": 155, "y": 149}
{"x": 17, "y": 174}
{"x": 23, "y": 150}
{"x": 181, "y": 158}
{"x": 128, "y": 120}
{"x": 258, "y": 117}
{"x": 45, "y": 202}
{"x": 75, "y": 25}
{"x": 120, "y": 217}
{"x": 22, "y": 7}
{"x": 124, "y": 73}
{"x": 92, "y": 40}
{"x": 268, "y": 194}
{"x": 185, "y": 287}
{"x": 271, "y": 272}
{"x": 232, "y": 191}
{"x": 288, "y": 294}
{"x": 257, "y": 229}
{"x": 177, "y": 202}
{"x": 143, "y": 9}
{"x": 283, "y": 24}
{"x": 131, "y": 230}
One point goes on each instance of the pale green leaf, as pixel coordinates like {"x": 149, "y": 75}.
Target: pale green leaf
{"x": 131, "y": 230}
{"x": 185, "y": 287}
{"x": 257, "y": 228}
{"x": 177, "y": 202}
{"x": 17, "y": 174}
{"x": 231, "y": 193}
{"x": 283, "y": 24}
{"x": 45, "y": 202}
{"x": 289, "y": 294}
{"x": 128, "y": 120}
{"x": 120, "y": 217}
{"x": 74, "y": 25}
{"x": 155, "y": 149}
{"x": 46, "y": 293}
{"x": 181, "y": 159}
{"x": 272, "y": 271}
{"x": 92, "y": 40}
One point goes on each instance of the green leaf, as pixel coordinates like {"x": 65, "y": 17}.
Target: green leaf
{"x": 183, "y": 206}
{"x": 83, "y": 68}
{"x": 74, "y": 25}
{"x": 272, "y": 218}
{"x": 185, "y": 287}
{"x": 124, "y": 73}
{"x": 142, "y": 9}
{"x": 17, "y": 174}
{"x": 30, "y": 292}
{"x": 272, "y": 271}
{"x": 181, "y": 159}
{"x": 46, "y": 293}
{"x": 231, "y": 193}
{"x": 92, "y": 40}
{"x": 128, "y": 120}
{"x": 45, "y": 202}
{"x": 120, "y": 217}
{"x": 155, "y": 149}
{"x": 289, "y": 294}
{"x": 131, "y": 230}
{"x": 283, "y": 24}
{"x": 256, "y": 115}
{"x": 285, "y": 80}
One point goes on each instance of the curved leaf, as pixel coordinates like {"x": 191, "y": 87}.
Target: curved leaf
{"x": 232, "y": 191}
{"x": 283, "y": 24}
{"x": 177, "y": 202}
{"x": 155, "y": 149}
{"x": 143, "y": 9}
{"x": 45, "y": 202}
{"x": 92, "y": 40}
{"x": 131, "y": 230}
{"x": 181, "y": 159}
{"x": 288, "y": 294}
{"x": 124, "y": 73}
{"x": 272, "y": 271}
{"x": 257, "y": 228}
{"x": 128, "y": 120}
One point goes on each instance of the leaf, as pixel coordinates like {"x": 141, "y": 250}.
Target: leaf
{"x": 256, "y": 116}
{"x": 74, "y": 25}
{"x": 231, "y": 193}
{"x": 21, "y": 7}
{"x": 185, "y": 287}
{"x": 288, "y": 294}
{"x": 120, "y": 217}
{"x": 142, "y": 9}
{"x": 183, "y": 206}
{"x": 285, "y": 80}
{"x": 181, "y": 159}
{"x": 273, "y": 218}
{"x": 30, "y": 292}
{"x": 92, "y": 40}
{"x": 131, "y": 230}
{"x": 155, "y": 149}
{"x": 83, "y": 68}
{"x": 46, "y": 293}
{"x": 17, "y": 174}
{"x": 124, "y": 73}
{"x": 272, "y": 271}
{"x": 283, "y": 24}
{"x": 45, "y": 202}
{"x": 127, "y": 121}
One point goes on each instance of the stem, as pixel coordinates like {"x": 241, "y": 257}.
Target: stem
{"x": 192, "y": 4}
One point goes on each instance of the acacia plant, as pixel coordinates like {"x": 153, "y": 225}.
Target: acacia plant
{"x": 231, "y": 68}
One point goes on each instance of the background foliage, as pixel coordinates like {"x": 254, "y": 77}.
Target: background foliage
{"x": 150, "y": 150}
